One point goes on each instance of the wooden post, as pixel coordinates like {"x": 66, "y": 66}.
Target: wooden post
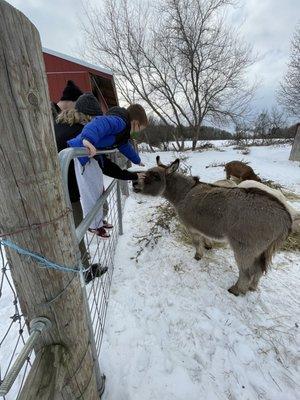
{"x": 295, "y": 152}
{"x": 50, "y": 379}
{"x": 32, "y": 204}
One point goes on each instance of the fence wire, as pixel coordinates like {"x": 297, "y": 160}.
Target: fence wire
{"x": 97, "y": 251}
{"x": 101, "y": 251}
{"x": 13, "y": 329}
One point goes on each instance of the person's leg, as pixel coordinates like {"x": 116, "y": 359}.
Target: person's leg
{"x": 90, "y": 184}
{"x": 78, "y": 216}
{"x": 106, "y": 224}
{"x": 95, "y": 269}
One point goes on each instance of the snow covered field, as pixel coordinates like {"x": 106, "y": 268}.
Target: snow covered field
{"x": 173, "y": 332}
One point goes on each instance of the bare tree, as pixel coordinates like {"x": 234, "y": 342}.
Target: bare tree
{"x": 177, "y": 56}
{"x": 289, "y": 94}
{"x": 268, "y": 124}
{"x": 261, "y": 125}
{"x": 277, "y": 120}
{"x": 241, "y": 133}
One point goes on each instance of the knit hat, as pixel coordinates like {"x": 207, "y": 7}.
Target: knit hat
{"x": 71, "y": 92}
{"x": 88, "y": 104}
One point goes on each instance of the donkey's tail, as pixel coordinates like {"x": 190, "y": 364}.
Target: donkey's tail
{"x": 267, "y": 255}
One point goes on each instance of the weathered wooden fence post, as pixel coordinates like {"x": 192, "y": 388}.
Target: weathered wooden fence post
{"x": 33, "y": 215}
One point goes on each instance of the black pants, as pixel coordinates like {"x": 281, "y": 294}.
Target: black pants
{"x": 78, "y": 216}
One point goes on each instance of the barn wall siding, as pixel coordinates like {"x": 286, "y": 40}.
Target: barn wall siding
{"x": 59, "y": 71}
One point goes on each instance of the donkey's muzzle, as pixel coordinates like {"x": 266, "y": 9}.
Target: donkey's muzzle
{"x": 135, "y": 185}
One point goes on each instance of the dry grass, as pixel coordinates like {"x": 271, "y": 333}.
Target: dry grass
{"x": 292, "y": 243}
{"x": 242, "y": 149}
{"x": 291, "y": 196}
{"x": 215, "y": 165}
{"x": 165, "y": 215}
{"x": 245, "y": 151}
{"x": 206, "y": 147}
{"x": 271, "y": 184}
{"x": 167, "y": 219}
{"x": 159, "y": 222}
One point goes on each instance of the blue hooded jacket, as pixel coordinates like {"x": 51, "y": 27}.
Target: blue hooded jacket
{"x": 102, "y": 132}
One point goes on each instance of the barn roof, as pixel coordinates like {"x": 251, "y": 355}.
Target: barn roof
{"x": 78, "y": 61}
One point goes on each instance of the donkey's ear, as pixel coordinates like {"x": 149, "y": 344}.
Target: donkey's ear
{"x": 159, "y": 163}
{"x": 173, "y": 167}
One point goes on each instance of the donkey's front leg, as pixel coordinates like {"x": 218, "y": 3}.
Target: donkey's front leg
{"x": 198, "y": 242}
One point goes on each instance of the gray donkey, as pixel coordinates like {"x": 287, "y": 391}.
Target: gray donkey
{"x": 254, "y": 222}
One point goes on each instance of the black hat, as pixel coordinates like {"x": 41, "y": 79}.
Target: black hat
{"x": 88, "y": 104}
{"x": 71, "y": 92}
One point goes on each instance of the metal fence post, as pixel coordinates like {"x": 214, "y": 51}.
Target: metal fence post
{"x": 119, "y": 204}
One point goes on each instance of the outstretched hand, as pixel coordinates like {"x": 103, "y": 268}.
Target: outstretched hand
{"x": 91, "y": 148}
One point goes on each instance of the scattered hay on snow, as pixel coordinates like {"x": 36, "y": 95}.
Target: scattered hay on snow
{"x": 291, "y": 196}
{"x": 215, "y": 165}
{"x": 292, "y": 243}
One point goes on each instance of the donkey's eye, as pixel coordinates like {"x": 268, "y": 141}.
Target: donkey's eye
{"x": 153, "y": 176}
{"x": 156, "y": 176}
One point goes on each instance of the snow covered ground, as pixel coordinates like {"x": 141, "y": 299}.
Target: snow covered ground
{"x": 173, "y": 332}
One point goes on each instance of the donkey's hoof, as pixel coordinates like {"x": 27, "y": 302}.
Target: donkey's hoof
{"x": 197, "y": 257}
{"x": 253, "y": 288}
{"x": 234, "y": 290}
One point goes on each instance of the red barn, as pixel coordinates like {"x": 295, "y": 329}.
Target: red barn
{"x": 88, "y": 77}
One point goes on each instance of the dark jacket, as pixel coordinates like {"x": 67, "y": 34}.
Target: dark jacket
{"x": 65, "y": 132}
{"x": 123, "y": 136}
{"x": 55, "y": 110}
{"x": 107, "y": 132}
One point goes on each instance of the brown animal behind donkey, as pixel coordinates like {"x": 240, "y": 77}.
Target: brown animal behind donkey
{"x": 253, "y": 222}
{"x": 240, "y": 170}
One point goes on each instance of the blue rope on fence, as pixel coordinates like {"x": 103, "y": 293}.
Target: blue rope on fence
{"x": 43, "y": 261}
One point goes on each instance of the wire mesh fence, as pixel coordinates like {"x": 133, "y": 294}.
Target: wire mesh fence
{"x": 13, "y": 329}
{"x": 98, "y": 254}
{"x": 101, "y": 252}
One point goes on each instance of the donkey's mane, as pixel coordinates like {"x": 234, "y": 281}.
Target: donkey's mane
{"x": 198, "y": 182}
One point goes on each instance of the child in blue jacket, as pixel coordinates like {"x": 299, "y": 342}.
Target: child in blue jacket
{"x": 103, "y": 132}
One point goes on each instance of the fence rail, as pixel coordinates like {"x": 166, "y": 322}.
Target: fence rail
{"x": 14, "y": 360}
{"x": 13, "y": 331}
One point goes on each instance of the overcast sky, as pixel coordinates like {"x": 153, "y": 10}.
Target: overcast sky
{"x": 267, "y": 24}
